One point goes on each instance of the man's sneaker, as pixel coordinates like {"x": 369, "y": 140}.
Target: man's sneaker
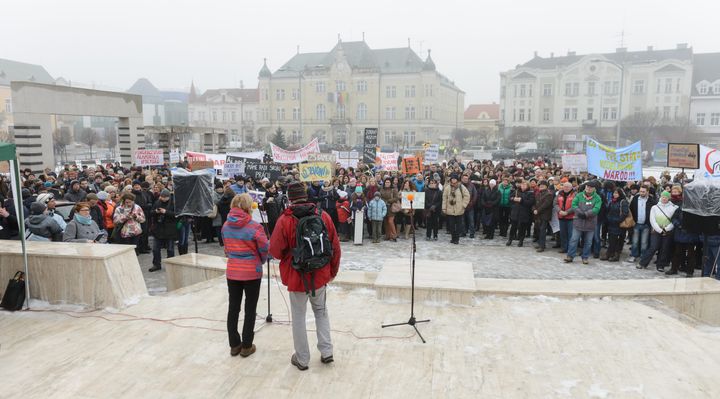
{"x": 245, "y": 352}
{"x": 568, "y": 259}
{"x": 631, "y": 259}
{"x": 638, "y": 266}
{"x": 296, "y": 363}
{"x": 585, "y": 261}
{"x": 326, "y": 360}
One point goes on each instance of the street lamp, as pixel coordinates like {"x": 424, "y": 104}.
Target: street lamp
{"x": 621, "y": 67}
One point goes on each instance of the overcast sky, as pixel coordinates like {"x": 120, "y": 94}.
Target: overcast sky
{"x": 218, "y": 43}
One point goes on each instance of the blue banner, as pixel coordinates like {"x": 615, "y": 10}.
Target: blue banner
{"x": 618, "y": 164}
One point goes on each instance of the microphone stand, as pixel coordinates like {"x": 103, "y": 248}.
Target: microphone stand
{"x": 412, "y": 321}
{"x": 268, "y": 318}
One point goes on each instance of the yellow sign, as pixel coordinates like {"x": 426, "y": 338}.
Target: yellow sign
{"x": 316, "y": 171}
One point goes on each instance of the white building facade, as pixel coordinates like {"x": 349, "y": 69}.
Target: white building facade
{"x": 705, "y": 100}
{"x": 230, "y": 114}
{"x": 586, "y": 95}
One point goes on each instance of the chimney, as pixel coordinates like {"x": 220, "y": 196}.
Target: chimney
{"x": 621, "y": 50}
{"x": 649, "y": 48}
{"x": 552, "y": 55}
{"x": 535, "y": 54}
{"x": 571, "y": 53}
{"x": 682, "y": 46}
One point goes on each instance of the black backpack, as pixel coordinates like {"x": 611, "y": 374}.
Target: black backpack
{"x": 313, "y": 249}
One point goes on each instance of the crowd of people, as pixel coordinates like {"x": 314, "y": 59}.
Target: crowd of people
{"x": 520, "y": 201}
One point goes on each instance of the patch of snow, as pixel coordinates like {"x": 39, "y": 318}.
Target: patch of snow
{"x": 639, "y": 389}
{"x": 596, "y": 392}
{"x": 363, "y": 292}
{"x": 566, "y": 387}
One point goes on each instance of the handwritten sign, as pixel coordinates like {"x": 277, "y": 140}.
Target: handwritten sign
{"x": 683, "y": 155}
{"x": 418, "y": 200}
{"x": 284, "y": 156}
{"x": 410, "y": 165}
{"x": 259, "y": 171}
{"x": 217, "y": 159}
{"x": 370, "y": 145}
{"x": 174, "y": 156}
{"x": 315, "y": 171}
{"x": 387, "y": 161}
{"x": 232, "y": 169}
{"x": 574, "y": 163}
{"x": 431, "y": 154}
{"x": 148, "y": 157}
{"x": 618, "y": 164}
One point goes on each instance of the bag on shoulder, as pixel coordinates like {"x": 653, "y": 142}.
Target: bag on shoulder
{"x": 313, "y": 249}
{"x": 14, "y": 296}
{"x": 116, "y": 231}
{"x": 628, "y": 223}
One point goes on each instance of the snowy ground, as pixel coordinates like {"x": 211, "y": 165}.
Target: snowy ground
{"x": 490, "y": 259}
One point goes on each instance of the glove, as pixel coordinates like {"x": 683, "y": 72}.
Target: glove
{"x": 581, "y": 215}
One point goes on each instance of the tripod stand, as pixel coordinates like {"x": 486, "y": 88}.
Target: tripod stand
{"x": 268, "y": 318}
{"x": 412, "y": 321}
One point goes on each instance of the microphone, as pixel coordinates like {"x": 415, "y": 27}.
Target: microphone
{"x": 254, "y": 205}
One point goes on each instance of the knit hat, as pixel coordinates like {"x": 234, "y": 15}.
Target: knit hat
{"x": 45, "y": 198}
{"x": 165, "y": 192}
{"x": 342, "y": 194}
{"x": 26, "y": 193}
{"x": 47, "y": 184}
{"x": 102, "y": 195}
{"x": 454, "y": 176}
{"x": 37, "y": 208}
{"x": 128, "y": 188}
{"x": 145, "y": 185}
{"x": 665, "y": 194}
{"x": 493, "y": 183}
{"x": 91, "y": 196}
{"x": 377, "y": 193}
{"x": 358, "y": 189}
{"x": 296, "y": 192}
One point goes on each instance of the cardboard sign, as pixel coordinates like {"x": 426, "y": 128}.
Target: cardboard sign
{"x": 258, "y": 215}
{"x": 574, "y": 163}
{"x": 709, "y": 163}
{"x": 148, "y": 157}
{"x": 410, "y": 166}
{"x": 347, "y": 159}
{"x": 431, "y": 154}
{"x": 387, "y": 161}
{"x": 174, "y": 156}
{"x": 418, "y": 200}
{"x": 370, "y": 145}
{"x": 315, "y": 171}
{"x": 683, "y": 155}
{"x": 217, "y": 159}
{"x": 232, "y": 169}
{"x": 199, "y": 165}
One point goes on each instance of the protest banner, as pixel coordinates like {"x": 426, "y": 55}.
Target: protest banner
{"x": 320, "y": 157}
{"x": 709, "y": 163}
{"x": 619, "y": 164}
{"x": 431, "y": 154}
{"x": 660, "y": 153}
{"x": 258, "y": 155}
{"x": 574, "y": 163}
{"x": 370, "y": 145}
{"x": 284, "y": 156}
{"x": 410, "y": 165}
{"x": 683, "y": 155}
{"x": 174, "y": 156}
{"x": 418, "y": 200}
{"x": 347, "y": 159}
{"x": 148, "y": 157}
{"x": 315, "y": 171}
{"x": 259, "y": 171}
{"x": 217, "y": 159}
{"x": 387, "y": 161}
{"x": 232, "y": 169}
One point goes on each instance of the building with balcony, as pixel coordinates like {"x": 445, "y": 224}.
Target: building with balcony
{"x": 705, "y": 97}
{"x": 564, "y": 99}
{"x": 335, "y": 95}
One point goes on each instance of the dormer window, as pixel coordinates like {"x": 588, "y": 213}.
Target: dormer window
{"x": 703, "y": 89}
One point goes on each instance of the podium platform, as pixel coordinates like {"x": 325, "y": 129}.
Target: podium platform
{"x": 437, "y": 281}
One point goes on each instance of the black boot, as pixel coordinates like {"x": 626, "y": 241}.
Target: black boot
{"x": 508, "y": 243}
{"x": 520, "y": 243}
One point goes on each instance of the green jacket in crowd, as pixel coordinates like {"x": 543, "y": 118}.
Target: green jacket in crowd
{"x": 505, "y": 194}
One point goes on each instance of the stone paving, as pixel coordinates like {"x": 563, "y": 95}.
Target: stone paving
{"x": 490, "y": 259}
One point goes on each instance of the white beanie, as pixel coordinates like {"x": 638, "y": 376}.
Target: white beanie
{"x": 493, "y": 182}
{"x": 45, "y": 198}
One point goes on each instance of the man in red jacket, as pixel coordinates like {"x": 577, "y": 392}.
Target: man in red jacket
{"x": 282, "y": 243}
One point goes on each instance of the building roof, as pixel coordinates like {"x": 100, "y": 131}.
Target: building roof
{"x": 474, "y": 111}
{"x": 705, "y": 67}
{"x": 360, "y": 56}
{"x": 152, "y": 95}
{"x": 20, "y": 71}
{"x": 681, "y": 53}
{"x": 247, "y": 95}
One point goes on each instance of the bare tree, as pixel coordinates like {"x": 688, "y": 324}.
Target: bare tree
{"x": 61, "y": 139}
{"x": 460, "y": 137}
{"x": 518, "y": 134}
{"x": 650, "y": 127}
{"x": 112, "y": 140}
{"x": 90, "y": 138}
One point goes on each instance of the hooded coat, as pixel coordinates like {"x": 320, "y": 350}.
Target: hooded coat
{"x": 246, "y": 246}
{"x": 283, "y": 241}
{"x": 43, "y": 227}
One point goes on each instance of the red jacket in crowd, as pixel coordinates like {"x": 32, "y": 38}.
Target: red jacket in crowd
{"x": 343, "y": 210}
{"x": 246, "y": 246}
{"x": 283, "y": 240}
{"x": 565, "y": 204}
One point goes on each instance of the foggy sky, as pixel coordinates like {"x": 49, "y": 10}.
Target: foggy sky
{"x": 218, "y": 43}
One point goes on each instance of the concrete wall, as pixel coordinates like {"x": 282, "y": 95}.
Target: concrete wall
{"x": 34, "y": 103}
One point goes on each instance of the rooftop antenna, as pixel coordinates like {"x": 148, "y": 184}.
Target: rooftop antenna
{"x": 363, "y": 36}
{"x": 408, "y": 42}
{"x": 339, "y": 40}
{"x": 298, "y": 49}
